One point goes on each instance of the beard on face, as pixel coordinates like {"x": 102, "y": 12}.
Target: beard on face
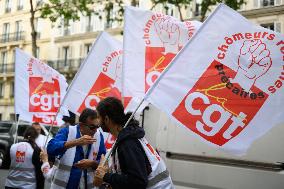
{"x": 104, "y": 128}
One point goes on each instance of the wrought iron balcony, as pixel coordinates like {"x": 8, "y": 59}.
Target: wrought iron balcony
{"x": 7, "y": 68}
{"x": 89, "y": 28}
{"x": 20, "y": 7}
{"x": 11, "y": 37}
{"x": 64, "y": 66}
{"x": 7, "y": 9}
{"x": 66, "y": 31}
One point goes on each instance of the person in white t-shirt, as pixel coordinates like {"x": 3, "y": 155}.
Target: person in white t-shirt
{"x": 40, "y": 140}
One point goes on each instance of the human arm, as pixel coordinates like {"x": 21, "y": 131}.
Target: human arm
{"x": 55, "y": 146}
{"x": 87, "y": 163}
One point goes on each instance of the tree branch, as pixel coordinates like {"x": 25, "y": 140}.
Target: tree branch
{"x": 51, "y": 7}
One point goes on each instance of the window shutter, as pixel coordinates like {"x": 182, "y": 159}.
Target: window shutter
{"x": 58, "y": 55}
{"x": 81, "y": 50}
{"x": 70, "y": 52}
{"x": 72, "y": 27}
{"x": 256, "y": 3}
{"x": 278, "y": 2}
{"x": 83, "y": 24}
{"x": 277, "y": 27}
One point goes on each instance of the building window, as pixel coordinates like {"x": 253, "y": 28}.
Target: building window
{"x": 37, "y": 27}
{"x": 8, "y": 6}
{"x": 65, "y": 55}
{"x": 170, "y": 9}
{"x": 39, "y": 2}
{"x": 3, "y": 61}
{"x": 6, "y": 31}
{"x": 12, "y": 117}
{"x": 269, "y": 26}
{"x": 14, "y": 56}
{"x": 98, "y": 23}
{"x": 4, "y": 57}
{"x": 12, "y": 89}
{"x": 1, "y": 90}
{"x": 37, "y": 52}
{"x": 66, "y": 28}
{"x": 20, "y": 5}
{"x": 109, "y": 17}
{"x": 89, "y": 26}
{"x": 266, "y": 3}
{"x": 88, "y": 48}
{"x": 18, "y": 30}
{"x": 197, "y": 11}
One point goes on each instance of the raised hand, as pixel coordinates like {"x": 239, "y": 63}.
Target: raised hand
{"x": 85, "y": 140}
{"x": 169, "y": 33}
{"x": 43, "y": 155}
{"x": 100, "y": 172}
{"x": 254, "y": 61}
{"x": 86, "y": 164}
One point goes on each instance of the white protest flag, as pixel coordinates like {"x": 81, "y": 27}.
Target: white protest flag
{"x": 39, "y": 90}
{"x": 98, "y": 77}
{"x": 226, "y": 85}
{"x": 151, "y": 40}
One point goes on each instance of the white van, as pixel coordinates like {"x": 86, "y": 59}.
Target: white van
{"x": 193, "y": 164}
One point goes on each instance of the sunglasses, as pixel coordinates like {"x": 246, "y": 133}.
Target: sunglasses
{"x": 93, "y": 127}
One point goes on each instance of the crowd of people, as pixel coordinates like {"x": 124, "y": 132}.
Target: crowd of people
{"x": 75, "y": 157}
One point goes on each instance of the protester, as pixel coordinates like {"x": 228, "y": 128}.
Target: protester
{"x": 41, "y": 139}
{"x": 79, "y": 149}
{"x": 25, "y": 169}
{"x": 47, "y": 170}
{"x": 69, "y": 120}
{"x": 133, "y": 163}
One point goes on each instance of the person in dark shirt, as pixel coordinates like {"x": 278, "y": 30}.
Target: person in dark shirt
{"x": 133, "y": 163}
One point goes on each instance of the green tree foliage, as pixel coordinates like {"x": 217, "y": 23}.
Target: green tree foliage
{"x": 178, "y": 3}
{"x": 69, "y": 9}
{"x": 55, "y": 9}
{"x": 205, "y": 5}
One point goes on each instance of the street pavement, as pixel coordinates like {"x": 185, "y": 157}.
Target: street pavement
{"x": 3, "y": 175}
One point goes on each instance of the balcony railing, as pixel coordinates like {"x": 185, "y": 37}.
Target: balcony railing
{"x": 7, "y": 68}
{"x": 69, "y": 65}
{"x": 7, "y": 9}
{"x": 89, "y": 28}
{"x": 66, "y": 31}
{"x": 20, "y": 7}
{"x": 11, "y": 37}
{"x": 108, "y": 25}
{"x": 64, "y": 66}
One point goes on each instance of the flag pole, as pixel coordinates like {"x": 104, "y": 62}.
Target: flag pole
{"x": 52, "y": 124}
{"x": 17, "y": 126}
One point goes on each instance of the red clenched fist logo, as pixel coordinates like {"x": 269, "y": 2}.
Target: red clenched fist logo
{"x": 254, "y": 61}
{"x": 169, "y": 33}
